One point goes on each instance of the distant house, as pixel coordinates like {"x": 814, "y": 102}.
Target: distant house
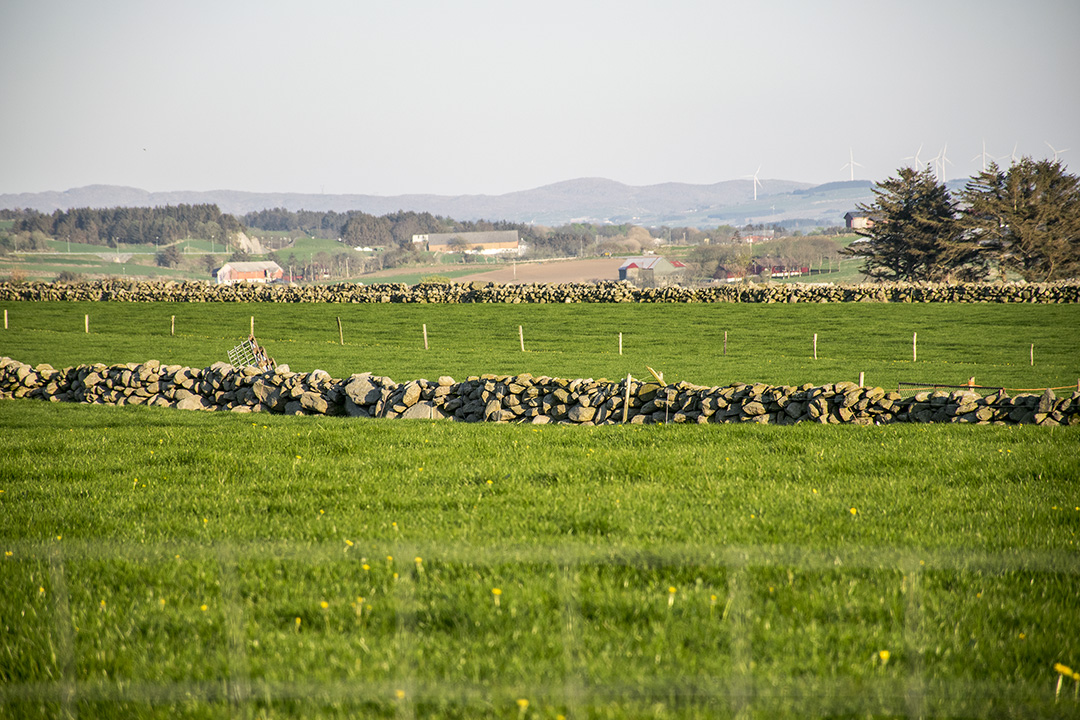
{"x": 487, "y": 242}
{"x": 256, "y": 272}
{"x": 729, "y": 273}
{"x": 781, "y": 271}
{"x": 651, "y": 271}
{"x": 858, "y": 220}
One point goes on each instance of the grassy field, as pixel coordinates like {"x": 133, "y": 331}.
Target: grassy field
{"x": 159, "y": 563}
{"x": 766, "y": 343}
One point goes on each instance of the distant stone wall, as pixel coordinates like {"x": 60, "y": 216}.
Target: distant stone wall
{"x": 604, "y": 292}
{"x": 519, "y": 398}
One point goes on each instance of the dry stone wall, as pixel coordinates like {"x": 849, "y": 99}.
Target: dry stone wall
{"x": 604, "y": 292}
{"x": 518, "y": 398}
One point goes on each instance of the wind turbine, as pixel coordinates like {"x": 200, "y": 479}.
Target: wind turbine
{"x": 983, "y": 155}
{"x": 915, "y": 157}
{"x": 851, "y": 163}
{"x": 757, "y": 183}
{"x": 1056, "y": 151}
{"x": 940, "y": 162}
{"x": 1012, "y": 156}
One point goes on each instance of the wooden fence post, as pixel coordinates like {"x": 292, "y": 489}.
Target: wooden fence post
{"x": 340, "y": 333}
{"x": 252, "y": 333}
{"x": 86, "y": 323}
{"x": 861, "y": 379}
{"x": 626, "y": 400}
{"x": 815, "y": 346}
{"x": 172, "y": 325}
{"x": 971, "y": 383}
{"x": 425, "y": 336}
{"x": 5, "y": 318}
{"x": 521, "y": 338}
{"x": 914, "y": 347}
{"x": 620, "y": 343}
{"x": 1033, "y": 354}
{"x": 725, "y": 343}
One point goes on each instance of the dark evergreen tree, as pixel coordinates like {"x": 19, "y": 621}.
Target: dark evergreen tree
{"x": 915, "y": 233}
{"x": 169, "y": 257}
{"x": 1026, "y": 218}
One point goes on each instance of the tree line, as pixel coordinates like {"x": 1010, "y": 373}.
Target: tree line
{"x": 1023, "y": 220}
{"x": 130, "y": 225}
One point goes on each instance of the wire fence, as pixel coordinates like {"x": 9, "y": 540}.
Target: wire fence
{"x": 573, "y": 574}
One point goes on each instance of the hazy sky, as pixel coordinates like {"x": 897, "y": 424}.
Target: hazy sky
{"x": 454, "y": 97}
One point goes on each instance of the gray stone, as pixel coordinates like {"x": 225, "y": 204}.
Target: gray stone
{"x": 753, "y": 409}
{"x": 411, "y": 396}
{"x": 1046, "y": 402}
{"x": 362, "y": 391}
{"x": 581, "y": 413}
{"x": 314, "y": 403}
{"x": 194, "y": 402}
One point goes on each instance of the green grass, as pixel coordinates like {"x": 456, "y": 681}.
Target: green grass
{"x": 766, "y": 343}
{"x": 303, "y": 246}
{"x": 959, "y": 560}
{"x": 412, "y": 277}
{"x": 797, "y": 554}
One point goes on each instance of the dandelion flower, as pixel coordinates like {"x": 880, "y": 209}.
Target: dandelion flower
{"x": 853, "y": 511}
{"x": 8, "y": 553}
{"x": 324, "y": 604}
{"x": 884, "y": 655}
{"x": 496, "y": 592}
{"x": 1063, "y": 669}
{"x": 400, "y": 694}
{"x": 204, "y": 607}
{"x": 365, "y": 566}
{"x": 41, "y": 590}
{"x": 349, "y": 543}
{"x": 418, "y": 560}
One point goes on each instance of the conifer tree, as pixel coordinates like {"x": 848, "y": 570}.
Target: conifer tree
{"x": 1027, "y": 218}
{"x": 915, "y": 234}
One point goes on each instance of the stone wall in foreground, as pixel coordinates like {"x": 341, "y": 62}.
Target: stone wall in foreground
{"x": 604, "y": 292}
{"x": 519, "y": 398}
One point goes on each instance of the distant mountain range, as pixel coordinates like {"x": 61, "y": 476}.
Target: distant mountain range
{"x": 732, "y": 202}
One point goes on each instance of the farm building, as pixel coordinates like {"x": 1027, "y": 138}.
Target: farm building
{"x": 858, "y": 220}
{"x": 489, "y": 242}
{"x": 651, "y": 271}
{"x": 729, "y": 273}
{"x": 257, "y": 272}
{"x": 781, "y": 271}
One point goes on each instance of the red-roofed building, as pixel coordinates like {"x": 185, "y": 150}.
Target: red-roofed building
{"x": 652, "y": 271}
{"x": 264, "y": 271}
